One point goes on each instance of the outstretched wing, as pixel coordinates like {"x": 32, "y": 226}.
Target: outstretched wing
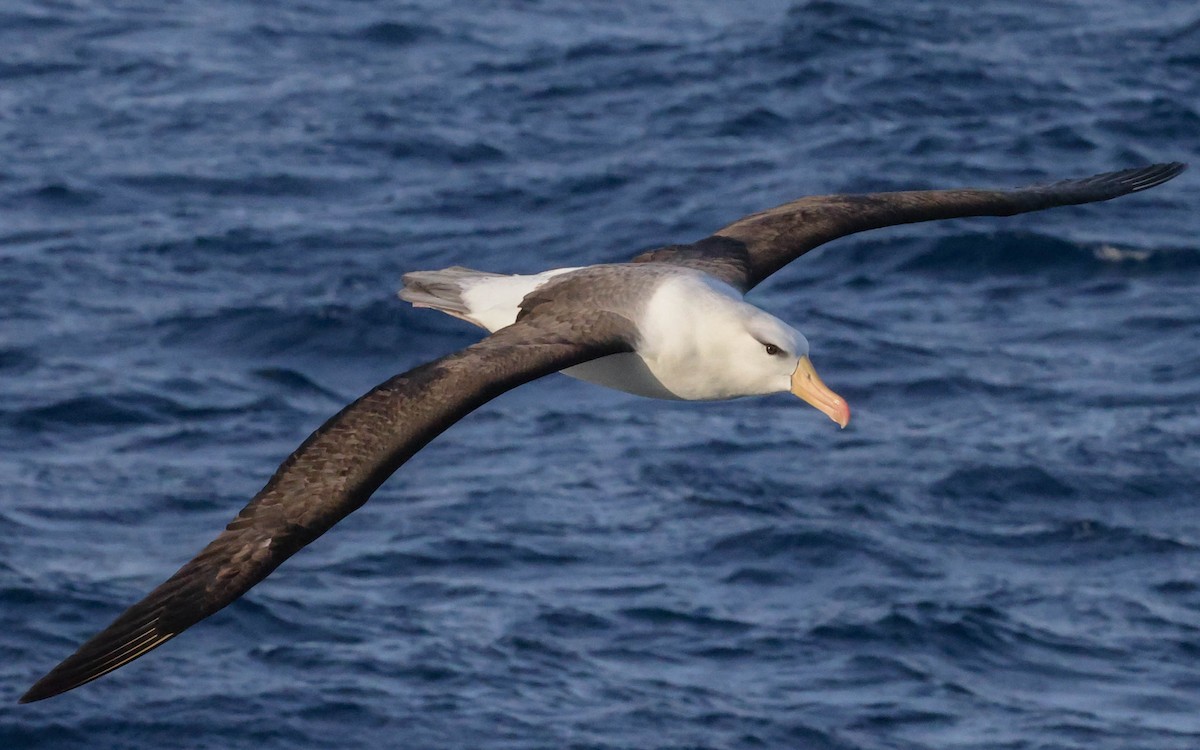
{"x": 752, "y": 248}
{"x": 332, "y": 474}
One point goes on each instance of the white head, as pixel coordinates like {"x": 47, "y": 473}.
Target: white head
{"x": 703, "y": 343}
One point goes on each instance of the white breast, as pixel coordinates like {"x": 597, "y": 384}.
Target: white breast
{"x": 677, "y": 328}
{"x": 691, "y": 328}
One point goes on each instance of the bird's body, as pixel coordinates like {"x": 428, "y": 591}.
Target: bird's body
{"x": 671, "y": 323}
{"x": 682, "y": 317}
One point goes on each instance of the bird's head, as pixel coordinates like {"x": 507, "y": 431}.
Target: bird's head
{"x": 702, "y": 342}
{"x": 773, "y": 357}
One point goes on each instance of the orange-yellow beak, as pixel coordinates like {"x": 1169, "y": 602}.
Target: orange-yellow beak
{"x": 806, "y": 385}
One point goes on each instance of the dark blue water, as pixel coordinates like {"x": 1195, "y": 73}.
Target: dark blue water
{"x": 205, "y": 210}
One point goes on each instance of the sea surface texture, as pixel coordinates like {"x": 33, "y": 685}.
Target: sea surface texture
{"x": 206, "y": 207}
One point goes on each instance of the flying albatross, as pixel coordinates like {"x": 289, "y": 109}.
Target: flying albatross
{"x": 671, "y": 323}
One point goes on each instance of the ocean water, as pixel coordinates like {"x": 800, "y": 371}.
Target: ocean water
{"x": 205, "y": 211}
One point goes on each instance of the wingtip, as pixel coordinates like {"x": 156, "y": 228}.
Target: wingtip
{"x": 1109, "y": 185}
{"x": 49, "y": 686}
{"x": 36, "y": 693}
{"x": 109, "y": 650}
{"x": 45, "y": 688}
{"x": 1147, "y": 177}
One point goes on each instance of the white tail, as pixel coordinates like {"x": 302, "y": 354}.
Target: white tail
{"x": 443, "y": 290}
{"x": 489, "y": 300}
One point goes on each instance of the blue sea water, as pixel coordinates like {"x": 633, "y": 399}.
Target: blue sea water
{"x": 206, "y": 208}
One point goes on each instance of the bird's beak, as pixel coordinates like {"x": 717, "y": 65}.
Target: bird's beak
{"x": 806, "y": 385}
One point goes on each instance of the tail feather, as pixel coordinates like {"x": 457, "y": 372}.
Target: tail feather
{"x": 442, "y": 290}
{"x": 488, "y": 300}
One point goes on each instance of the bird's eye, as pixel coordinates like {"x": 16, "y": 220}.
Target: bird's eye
{"x": 772, "y": 350}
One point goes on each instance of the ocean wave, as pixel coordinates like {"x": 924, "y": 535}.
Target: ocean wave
{"x": 122, "y": 408}
{"x": 666, "y": 618}
{"x": 428, "y": 148}
{"x": 397, "y": 33}
{"x": 116, "y": 409}
{"x": 256, "y": 185}
{"x": 821, "y": 24}
{"x": 57, "y": 195}
{"x": 10, "y": 71}
{"x": 14, "y": 361}
{"x": 551, "y": 58}
{"x": 452, "y": 554}
{"x": 571, "y": 622}
{"x": 295, "y": 382}
{"x": 1002, "y": 482}
{"x": 264, "y": 331}
{"x": 980, "y": 636}
{"x": 1078, "y": 540}
{"x": 1004, "y": 253}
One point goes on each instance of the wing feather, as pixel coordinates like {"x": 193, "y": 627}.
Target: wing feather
{"x": 756, "y": 246}
{"x": 332, "y": 474}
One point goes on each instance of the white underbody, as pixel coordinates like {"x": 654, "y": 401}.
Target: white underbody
{"x": 697, "y": 339}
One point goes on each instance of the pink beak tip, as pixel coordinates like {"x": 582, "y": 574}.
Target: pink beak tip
{"x": 840, "y": 413}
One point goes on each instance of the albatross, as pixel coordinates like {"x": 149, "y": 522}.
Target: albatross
{"x": 670, "y": 323}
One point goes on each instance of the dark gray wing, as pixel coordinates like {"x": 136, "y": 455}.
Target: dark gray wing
{"x": 332, "y": 474}
{"x": 751, "y": 249}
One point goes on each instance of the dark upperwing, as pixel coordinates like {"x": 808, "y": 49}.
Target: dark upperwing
{"x": 333, "y": 473}
{"x": 756, "y": 246}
